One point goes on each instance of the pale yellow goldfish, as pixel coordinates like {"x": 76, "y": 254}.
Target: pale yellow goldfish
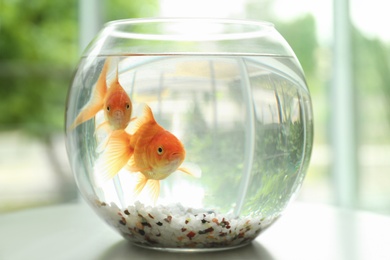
{"x": 114, "y": 100}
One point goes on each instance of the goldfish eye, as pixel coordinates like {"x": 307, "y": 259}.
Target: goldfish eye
{"x": 108, "y": 108}
{"x": 160, "y": 150}
{"x": 127, "y": 106}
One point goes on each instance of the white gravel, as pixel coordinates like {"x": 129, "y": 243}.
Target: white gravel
{"x": 175, "y": 226}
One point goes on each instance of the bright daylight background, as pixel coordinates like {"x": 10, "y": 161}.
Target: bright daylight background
{"x": 346, "y": 61}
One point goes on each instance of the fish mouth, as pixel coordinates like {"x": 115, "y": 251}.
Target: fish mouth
{"x": 118, "y": 114}
{"x": 172, "y": 165}
{"x": 177, "y": 156}
{"x": 117, "y": 119}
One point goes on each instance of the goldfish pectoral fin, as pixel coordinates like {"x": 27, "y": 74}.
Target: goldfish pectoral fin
{"x": 103, "y": 144}
{"x": 191, "y": 169}
{"x": 153, "y": 189}
{"x": 132, "y": 119}
{"x": 131, "y": 165}
{"x": 141, "y": 182}
{"x": 105, "y": 126}
{"x": 114, "y": 156}
{"x": 103, "y": 133}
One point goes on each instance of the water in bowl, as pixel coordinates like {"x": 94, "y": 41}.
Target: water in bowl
{"x": 246, "y": 125}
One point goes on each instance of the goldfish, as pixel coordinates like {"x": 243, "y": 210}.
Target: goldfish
{"x": 114, "y": 100}
{"x": 150, "y": 150}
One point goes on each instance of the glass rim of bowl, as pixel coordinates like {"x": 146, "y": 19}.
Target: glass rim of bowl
{"x": 191, "y": 29}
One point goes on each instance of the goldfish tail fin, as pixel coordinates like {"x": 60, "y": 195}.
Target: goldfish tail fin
{"x": 87, "y": 112}
{"x": 97, "y": 99}
{"x": 115, "y": 155}
{"x": 191, "y": 169}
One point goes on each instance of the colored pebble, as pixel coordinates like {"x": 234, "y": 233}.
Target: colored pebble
{"x": 180, "y": 230}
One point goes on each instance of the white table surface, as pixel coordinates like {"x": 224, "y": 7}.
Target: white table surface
{"x": 305, "y": 231}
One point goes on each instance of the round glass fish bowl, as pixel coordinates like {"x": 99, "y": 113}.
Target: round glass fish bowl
{"x": 189, "y": 134}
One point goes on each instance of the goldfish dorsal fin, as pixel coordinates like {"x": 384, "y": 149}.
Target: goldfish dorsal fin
{"x": 146, "y": 116}
{"x": 115, "y": 81}
{"x": 116, "y": 154}
{"x": 117, "y": 73}
{"x": 191, "y": 169}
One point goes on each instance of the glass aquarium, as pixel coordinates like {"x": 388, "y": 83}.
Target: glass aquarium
{"x": 189, "y": 134}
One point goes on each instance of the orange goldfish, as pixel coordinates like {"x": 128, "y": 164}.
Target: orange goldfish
{"x": 114, "y": 100}
{"x": 151, "y": 150}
